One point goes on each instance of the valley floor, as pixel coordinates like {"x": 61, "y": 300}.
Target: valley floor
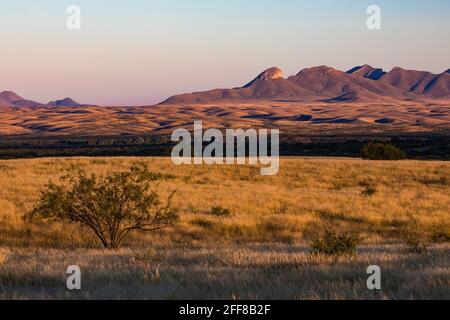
{"x": 300, "y": 118}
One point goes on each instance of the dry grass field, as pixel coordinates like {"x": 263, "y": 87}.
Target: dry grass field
{"x": 261, "y": 250}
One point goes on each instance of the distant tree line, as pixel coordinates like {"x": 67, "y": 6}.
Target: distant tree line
{"x": 416, "y": 147}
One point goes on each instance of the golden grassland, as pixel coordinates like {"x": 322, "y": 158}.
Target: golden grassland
{"x": 259, "y": 251}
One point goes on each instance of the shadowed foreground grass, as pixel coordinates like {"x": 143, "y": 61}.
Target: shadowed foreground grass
{"x": 266, "y": 271}
{"x": 256, "y": 248}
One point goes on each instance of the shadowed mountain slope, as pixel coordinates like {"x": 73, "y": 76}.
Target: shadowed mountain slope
{"x": 367, "y": 72}
{"x": 419, "y": 82}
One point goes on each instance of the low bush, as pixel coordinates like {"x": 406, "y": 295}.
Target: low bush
{"x": 220, "y": 212}
{"x": 382, "y": 151}
{"x": 203, "y": 223}
{"x": 416, "y": 238}
{"x": 369, "y": 190}
{"x": 336, "y": 244}
{"x": 440, "y": 233}
{"x": 416, "y": 243}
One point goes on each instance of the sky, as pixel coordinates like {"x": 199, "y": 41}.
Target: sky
{"x": 139, "y": 52}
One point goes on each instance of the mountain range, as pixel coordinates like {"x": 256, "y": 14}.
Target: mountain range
{"x": 326, "y": 84}
{"x": 316, "y": 84}
{"x": 316, "y": 100}
{"x": 11, "y": 99}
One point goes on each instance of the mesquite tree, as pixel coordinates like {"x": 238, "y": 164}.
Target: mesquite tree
{"x": 111, "y": 206}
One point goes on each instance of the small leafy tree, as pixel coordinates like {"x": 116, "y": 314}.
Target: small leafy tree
{"x": 382, "y": 151}
{"x": 111, "y": 206}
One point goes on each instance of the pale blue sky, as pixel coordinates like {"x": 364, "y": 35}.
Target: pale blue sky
{"x": 142, "y": 51}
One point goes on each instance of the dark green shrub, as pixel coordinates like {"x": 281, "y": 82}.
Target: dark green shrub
{"x": 369, "y": 190}
{"x": 382, "y": 151}
{"x": 220, "y": 212}
{"x": 336, "y": 244}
